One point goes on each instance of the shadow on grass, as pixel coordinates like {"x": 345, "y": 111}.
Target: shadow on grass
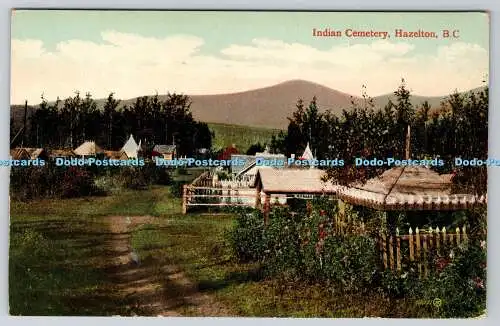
{"x": 232, "y": 278}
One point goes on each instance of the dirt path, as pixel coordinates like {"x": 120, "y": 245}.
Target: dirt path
{"x": 153, "y": 289}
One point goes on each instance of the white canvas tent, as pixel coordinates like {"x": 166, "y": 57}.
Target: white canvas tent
{"x": 307, "y": 155}
{"x": 131, "y": 148}
{"x": 88, "y": 148}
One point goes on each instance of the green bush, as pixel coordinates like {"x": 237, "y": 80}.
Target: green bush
{"x": 246, "y": 237}
{"x": 106, "y": 184}
{"x": 77, "y": 182}
{"x": 49, "y": 181}
{"x": 456, "y": 289}
{"x": 131, "y": 178}
{"x": 399, "y": 285}
{"x": 155, "y": 175}
{"x": 461, "y": 286}
{"x": 176, "y": 188}
{"x": 303, "y": 246}
{"x": 282, "y": 243}
{"x": 143, "y": 176}
{"x": 350, "y": 262}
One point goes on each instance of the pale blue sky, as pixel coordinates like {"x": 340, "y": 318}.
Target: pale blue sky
{"x": 221, "y": 29}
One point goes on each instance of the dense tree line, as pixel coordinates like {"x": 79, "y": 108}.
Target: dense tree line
{"x": 459, "y": 128}
{"x": 150, "y": 119}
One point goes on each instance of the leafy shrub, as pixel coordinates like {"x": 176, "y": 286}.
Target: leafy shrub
{"x": 50, "y": 181}
{"x": 399, "y": 285}
{"x": 246, "y": 237}
{"x": 461, "y": 286}
{"x": 176, "y": 188}
{"x": 77, "y": 182}
{"x": 143, "y": 176}
{"x": 153, "y": 174}
{"x": 132, "y": 178}
{"x": 351, "y": 262}
{"x": 106, "y": 184}
{"x": 282, "y": 244}
{"x": 304, "y": 246}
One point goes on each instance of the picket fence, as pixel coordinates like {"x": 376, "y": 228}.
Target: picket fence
{"x": 420, "y": 248}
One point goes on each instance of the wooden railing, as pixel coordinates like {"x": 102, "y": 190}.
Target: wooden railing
{"x": 419, "y": 248}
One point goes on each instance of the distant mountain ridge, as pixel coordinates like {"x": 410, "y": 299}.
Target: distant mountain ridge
{"x": 269, "y": 106}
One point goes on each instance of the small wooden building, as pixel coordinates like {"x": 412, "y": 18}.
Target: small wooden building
{"x": 167, "y": 152}
{"x": 63, "y": 153}
{"x": 116, "y": 155}
{"x": 289, "y": 181}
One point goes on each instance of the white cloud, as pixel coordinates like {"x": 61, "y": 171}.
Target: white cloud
{"x": 132, "y": 65}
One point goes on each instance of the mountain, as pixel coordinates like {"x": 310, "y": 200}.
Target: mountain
{"x": 267, "y": 106}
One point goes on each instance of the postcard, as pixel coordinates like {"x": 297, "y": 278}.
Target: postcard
{"x": 248, "y": 164}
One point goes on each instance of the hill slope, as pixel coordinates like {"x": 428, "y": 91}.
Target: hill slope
{"x": 269, "y": 106}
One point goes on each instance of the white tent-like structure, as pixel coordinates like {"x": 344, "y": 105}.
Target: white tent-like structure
{"x": 307, "y": 155}
{"x": 88, "y": 148}
{"x": 131, "y": 148}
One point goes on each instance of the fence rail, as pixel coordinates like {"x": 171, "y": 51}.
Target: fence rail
{"x": 419, "y": 249}
{"x": 208, "y": 195}
{"x": 207, "y": 190}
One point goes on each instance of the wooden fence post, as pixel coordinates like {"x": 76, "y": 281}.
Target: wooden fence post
{"x": 425, "y": 255}
{"x": 417, "y": 238}
{"x": 457, "y": 230}
{"x": 384, "y": 249}
{"x": 398, "y": 250}
{"x": 257, "y": 198}
{"x": 437, "y": 240}
{"x": 391, "y": 252}
{"x": 464, "y": 234}
{"x": 410, "y": 245}
{"x": 431, "y": 238}
{"x": 184, "y": 199}
{"x": 267, "y": 208}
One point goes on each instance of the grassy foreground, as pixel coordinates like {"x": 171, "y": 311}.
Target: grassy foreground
{"x": 58, "y": 247}
{"x": 60, "y": 250}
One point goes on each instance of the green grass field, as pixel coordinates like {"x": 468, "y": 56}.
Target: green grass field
{"x": 242, "y": 136}
{"x": 62, "y": 254}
